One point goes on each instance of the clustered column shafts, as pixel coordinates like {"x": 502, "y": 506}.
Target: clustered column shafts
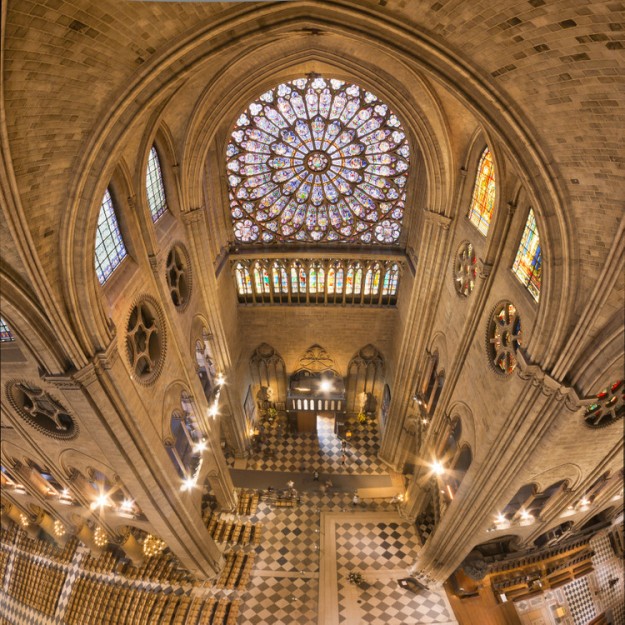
{"x": 421, "y": 316}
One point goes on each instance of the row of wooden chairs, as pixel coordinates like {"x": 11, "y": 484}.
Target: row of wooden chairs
{"x": 234, "y": 532}
{"x": 101, "y": 603}
{"x": 4, "y": 561}
{"x": 8, "y": 534}
{"x": 47, "y": 549}
{"x": 36, "y": 585}
{"x": 248, "y": 502}
{"x": 237, "y": 570}
{"x": 160, "y": 568}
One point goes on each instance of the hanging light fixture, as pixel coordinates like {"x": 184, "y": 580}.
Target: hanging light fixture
{"x": 59, "y": 529}
{"x": 100, "y": 537}
{"x": 152, "y": 546}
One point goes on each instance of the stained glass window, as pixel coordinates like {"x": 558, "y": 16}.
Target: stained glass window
{"x": 483, "y": 200}
{"x": 331, "y": 277}
{"x": 317, "y": 159}
{"x": 339, "y": 280}
{"x": 244, "y": 281}
{"x": 258, "y": 282}
{"x": 389, "y": 286}
{"x": 5, "y": 334}
{"x": 349, "y": 283}
{"x": 109, "y": 245}
{"x": 154, "y": 186}
{"x": 528, "y": 262}
{"x": 357, "y": 280}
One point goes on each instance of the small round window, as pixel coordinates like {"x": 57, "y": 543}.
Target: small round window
{"x": 608, "y": 406}
{"x": 145, "y": 340}
{"x": 41, "y": 411}
{"x": 504, "y": 338}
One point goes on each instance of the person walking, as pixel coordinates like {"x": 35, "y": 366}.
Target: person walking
{"x": 316, "y": 476}
{"x": 355, "y": 499}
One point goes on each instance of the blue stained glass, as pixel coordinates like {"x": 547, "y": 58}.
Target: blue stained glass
{"x": 109, "y": 245}
{"x": 311, "y": 140}
{"x": 5, "y": 333}
{"x": 527, "y": 265}
{"x": 154, "y": 186}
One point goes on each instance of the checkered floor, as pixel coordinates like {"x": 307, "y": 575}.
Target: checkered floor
{"x": 382, "y": 552}
{"x": 609, "y": 567}
{"x": 378, "y": 545}
{"x": 579, "y": 598}
{"x": 280, "y": 601}
{"x": 383, "y": 601}
{"x": 322, "y": 451}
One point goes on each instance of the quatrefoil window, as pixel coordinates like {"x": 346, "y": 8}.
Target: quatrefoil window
{"x": 145, "y": 341}
{"x": 465, "y": 269}
{"x": 607, "y": 407}
{"x": 504, "y": 338}
{"x": 178, "y": 276}
{"x": 42, "y": 411}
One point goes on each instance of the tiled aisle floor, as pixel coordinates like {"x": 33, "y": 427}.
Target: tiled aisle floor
{"x": 322, "y": 451}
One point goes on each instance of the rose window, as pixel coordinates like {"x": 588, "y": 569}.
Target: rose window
{"x": 317, "y": 160}
{"x": 504, "y": 336}
{"x": 465, "y": 269}
{"x": 608, "y": 407}
{"x": 42, "y": 411}
{"x": 145, "y": 341}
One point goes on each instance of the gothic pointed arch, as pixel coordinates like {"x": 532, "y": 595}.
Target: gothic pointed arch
{"x": 365, "y": 380}
{"x": 268, "y": 373}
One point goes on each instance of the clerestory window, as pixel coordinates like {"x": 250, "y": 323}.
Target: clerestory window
{"x": 483, "y": 198}
{"x": 154, "y": 187}
{"x": 109, "y": 245}
{"x": 527, "y": 265}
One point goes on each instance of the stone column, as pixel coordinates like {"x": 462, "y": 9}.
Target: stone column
{"x": 197, "y": 233}
{"x": 541, "y": 402}
{"x": 128, "y": 437}
{"x": 421, "y": 311}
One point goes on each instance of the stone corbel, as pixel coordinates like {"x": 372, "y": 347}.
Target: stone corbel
{"x": 549, "y": 386}
{"x": 485, "y": 268}
{"x": 436, "y": 218}
{"x": 192, "y": 216}
{"x": 63, "y": 381}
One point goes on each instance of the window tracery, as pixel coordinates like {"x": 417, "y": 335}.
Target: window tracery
{"x": 154, "y": 186}
{"x": 483, "y": 198}
{"x": 5, "y": 333}
{"x": 316, "y": 281}
{"x": 41, "y": 410}
{"x": 316, "y": 160}
{"x": 608, "y": 406}
{"x": 504, "y": 337}
{"x": 178, "y": 276}
{"x": 109, "y": 245}
{"x": 465, "y": 269}
{"x": 527, "y": 265}
{"x": 145, "y": 340}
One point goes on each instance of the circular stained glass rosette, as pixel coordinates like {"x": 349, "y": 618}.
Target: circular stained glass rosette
{"x": 316, "y": 160}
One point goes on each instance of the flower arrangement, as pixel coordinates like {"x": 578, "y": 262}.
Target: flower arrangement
{"x": 362, "y": 417}
{"x": 355, "y": 578}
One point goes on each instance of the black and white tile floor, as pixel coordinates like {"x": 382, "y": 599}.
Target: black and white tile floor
{"x": 322, "y": 451}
